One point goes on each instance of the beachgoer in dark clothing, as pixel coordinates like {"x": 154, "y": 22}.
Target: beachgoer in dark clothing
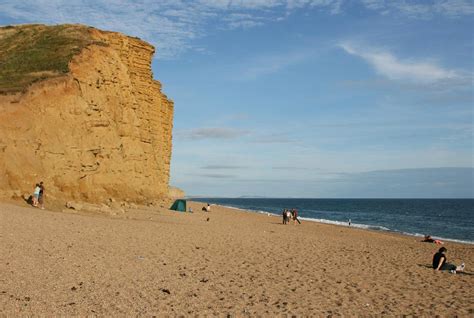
{"x": 284, "y": 216}
{"x": 429, "y": 239}
{"x": 41, "y": 195}
{"x": 440, "y": 262}
{"x": 295, "y": 216}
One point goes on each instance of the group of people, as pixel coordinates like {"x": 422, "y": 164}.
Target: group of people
{"x": 290, "y": 215}
{"x": 38, "y": 196}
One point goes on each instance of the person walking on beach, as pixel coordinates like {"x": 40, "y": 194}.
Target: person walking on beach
{"x": 288, "y": 216}
{"x": 440, "y": 262}
{"x": 295, "y": 216}
{"x": 284, "y": 216}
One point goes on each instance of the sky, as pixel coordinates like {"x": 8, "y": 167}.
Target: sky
{"x": 304, "y": 98}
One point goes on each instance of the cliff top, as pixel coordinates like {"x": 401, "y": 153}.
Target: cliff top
{"x": 31, "y": 53}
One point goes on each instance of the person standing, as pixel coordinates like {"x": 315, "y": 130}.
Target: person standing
{"x": 41, "y": 195}
{"x": 36, "y": 194}
{"x": 284, "y": 216}
{"x": 295, "y": 217}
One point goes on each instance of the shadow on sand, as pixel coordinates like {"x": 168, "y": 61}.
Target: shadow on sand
{"x": 28, "y": 200}
{"x": 431, "y": 267}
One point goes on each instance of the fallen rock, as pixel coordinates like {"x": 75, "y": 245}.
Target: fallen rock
{"x": 74, "y": 205}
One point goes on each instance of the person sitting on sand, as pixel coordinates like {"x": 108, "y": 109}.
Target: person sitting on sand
{"x": 207, "y": 208}
{"x": 440, "y": 262}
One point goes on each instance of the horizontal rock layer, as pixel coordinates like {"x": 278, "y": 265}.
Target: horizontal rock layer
{"x": 102, "y": 130}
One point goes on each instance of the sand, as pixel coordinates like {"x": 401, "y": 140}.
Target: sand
{"x": 157, "y": 262}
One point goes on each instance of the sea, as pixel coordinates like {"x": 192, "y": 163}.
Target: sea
{"x": 444, "y": 219}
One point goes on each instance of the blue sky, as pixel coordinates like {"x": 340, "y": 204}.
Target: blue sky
{"x": 304, "y": 98}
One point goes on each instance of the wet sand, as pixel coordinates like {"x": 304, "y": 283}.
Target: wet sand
{"x": 157, "y": 262}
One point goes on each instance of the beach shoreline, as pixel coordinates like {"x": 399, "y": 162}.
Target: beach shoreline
{"x": 377, "y": 228}
{"x": 152, "y": 261}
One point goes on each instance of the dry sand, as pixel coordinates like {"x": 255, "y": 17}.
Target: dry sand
{"x": 157, "y": 262}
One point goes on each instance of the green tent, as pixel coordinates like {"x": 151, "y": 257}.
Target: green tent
{"x": 179, "y": 205}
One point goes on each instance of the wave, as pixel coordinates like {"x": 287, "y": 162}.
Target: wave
{"x": 441, "y": 238}
{"x": 340, "y": 223}
{"x": 346, "y": 224}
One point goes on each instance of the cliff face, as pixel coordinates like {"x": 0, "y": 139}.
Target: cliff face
{"x": 102, "y": 130}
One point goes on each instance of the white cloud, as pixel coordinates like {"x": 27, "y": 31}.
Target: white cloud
{"x": 272, "y": 63}
{"x": 426, "y": 9}
{"x": 388, "y": 65}
{"x": 211, "y": 133}
{"x": 221, "y": 167}
{"x": 173, "y": 26}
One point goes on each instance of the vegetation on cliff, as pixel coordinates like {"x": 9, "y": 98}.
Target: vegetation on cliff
{"x": 31, "y": 53}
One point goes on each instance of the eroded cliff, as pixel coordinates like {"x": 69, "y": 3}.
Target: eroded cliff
{"x": 96, "y": 129}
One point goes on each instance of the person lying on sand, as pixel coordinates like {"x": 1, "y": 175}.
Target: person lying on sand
{"x": 429, "y": 239}
{"x": 440, "y": 262}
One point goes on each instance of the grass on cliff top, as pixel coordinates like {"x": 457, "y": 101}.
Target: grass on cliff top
{"x": 31, "y": 53}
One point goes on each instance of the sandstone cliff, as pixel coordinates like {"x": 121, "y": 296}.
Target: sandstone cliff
{"x": 93, "y": 128}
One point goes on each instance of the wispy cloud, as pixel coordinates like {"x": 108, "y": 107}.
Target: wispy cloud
{"x": 422, "y": 9}
{"x": 214, "y": 175}
{"x": 274, "y": 139}
{"x": 174, "y": 26}
{"x": 289, "y": 168}
{"x": 388, "y": 65}
{"x": 272, "y": 63}
{"x": 221, "y": 167}
{"x": 211, "y": 133}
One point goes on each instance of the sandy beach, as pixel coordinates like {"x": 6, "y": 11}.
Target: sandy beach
{"x": 149, "y": 262}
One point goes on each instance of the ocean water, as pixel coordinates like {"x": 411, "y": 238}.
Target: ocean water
{"x": 446, "y": 219}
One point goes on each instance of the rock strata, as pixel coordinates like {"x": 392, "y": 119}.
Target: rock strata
{"x": 102, "y": 130}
